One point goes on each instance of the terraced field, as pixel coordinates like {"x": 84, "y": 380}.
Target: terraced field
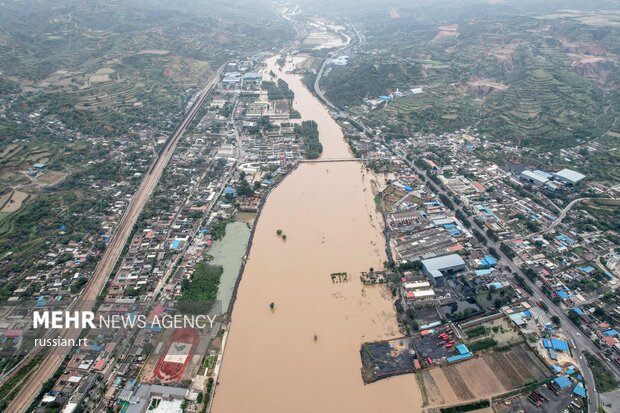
{"x": 103, "y": 67}
{"x": 539, "y": 82}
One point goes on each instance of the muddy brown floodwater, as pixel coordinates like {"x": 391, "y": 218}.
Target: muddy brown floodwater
{"x": 272, "y": 361}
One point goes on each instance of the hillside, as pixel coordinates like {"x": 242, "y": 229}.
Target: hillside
{"x": 538, "y": 81}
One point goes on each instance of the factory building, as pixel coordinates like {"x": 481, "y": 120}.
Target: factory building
{"x": 569, "y": 177}
{"x": 436, "y": 268}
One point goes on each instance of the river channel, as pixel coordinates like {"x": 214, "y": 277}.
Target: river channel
{"x": 303, "y": 356}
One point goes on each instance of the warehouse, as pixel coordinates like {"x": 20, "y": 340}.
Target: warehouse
{"x": 569, "y": 177}
{"x": 436, "y": 268}
{"x": 533, "y": 178}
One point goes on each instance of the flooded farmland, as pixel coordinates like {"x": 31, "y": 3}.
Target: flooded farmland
{"x": 303, "y": 355}
{"x": 228, "y": 253}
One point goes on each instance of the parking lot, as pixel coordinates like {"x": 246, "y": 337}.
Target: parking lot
{"x": 553, "y": 403}
{"x": 427, "y": 345}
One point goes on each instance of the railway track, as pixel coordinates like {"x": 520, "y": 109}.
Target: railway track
{"x": 86, "y": 301}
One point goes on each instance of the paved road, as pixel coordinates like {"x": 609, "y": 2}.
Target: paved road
{"x": 559, "y": 219}
{"x": 317, "y": 81}
{"x": 571, "y": 331}
{"x": 86, "y": 300}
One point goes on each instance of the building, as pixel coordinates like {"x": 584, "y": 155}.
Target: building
{"x": 569, "y": 177}
{"x": 422, "y": 294}
{"x": 416, "y": 285}
{"x": 533, "y": 178}
{"x": 139, "y": 400}
{"x": 253, "y": 77}
{"x": 436, "y": 268}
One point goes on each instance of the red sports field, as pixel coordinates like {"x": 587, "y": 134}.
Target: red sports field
{"x": 173, "y": 362}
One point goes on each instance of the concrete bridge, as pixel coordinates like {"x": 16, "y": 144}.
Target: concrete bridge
{"x": 331, "y": 160}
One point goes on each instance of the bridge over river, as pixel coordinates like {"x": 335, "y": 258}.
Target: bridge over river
{"x": 332, "y": 160}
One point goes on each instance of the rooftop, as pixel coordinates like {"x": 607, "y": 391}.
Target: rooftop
{"x": 443, "y": 262}
{"x": 570, "y": 175}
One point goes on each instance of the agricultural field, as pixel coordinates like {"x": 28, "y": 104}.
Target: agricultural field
{"x": 501, "y": 330}
{"x": 490, "y": 374}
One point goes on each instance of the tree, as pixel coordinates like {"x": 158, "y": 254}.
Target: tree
{"x": 279, "y": 232}
{"x": 284, "y": 237}
{"x": 556, "y": 320}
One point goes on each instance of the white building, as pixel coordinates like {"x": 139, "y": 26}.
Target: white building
{"x": 569, "y": 176}
{"x": 533, "y": 178}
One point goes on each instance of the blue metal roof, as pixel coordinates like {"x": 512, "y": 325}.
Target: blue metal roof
{"x": 490, "y": 260}
{"x": 579, "y": 390}
{"x": 562, "y": 381}
{"x": 563, "y": 294}
{"x": 560, "y": 345}
{"x": 458, "y": 358}
{"x": 462, "y": 349}
{"x": 485, "y": 271}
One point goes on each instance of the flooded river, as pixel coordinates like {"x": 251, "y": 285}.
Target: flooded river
{"x": 273, "y": 362}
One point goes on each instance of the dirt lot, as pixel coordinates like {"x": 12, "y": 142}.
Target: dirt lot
{"x": 15, "y": 202}
{"x": 50, "y": 178}
{"x": 488, "y": 375}
{"x": 427, "y": 347}
{"x": 383, "y": 359}
{"x": 522, "y": 404}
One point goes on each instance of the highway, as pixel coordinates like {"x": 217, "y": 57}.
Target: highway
{"x": 97, "y": 282}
